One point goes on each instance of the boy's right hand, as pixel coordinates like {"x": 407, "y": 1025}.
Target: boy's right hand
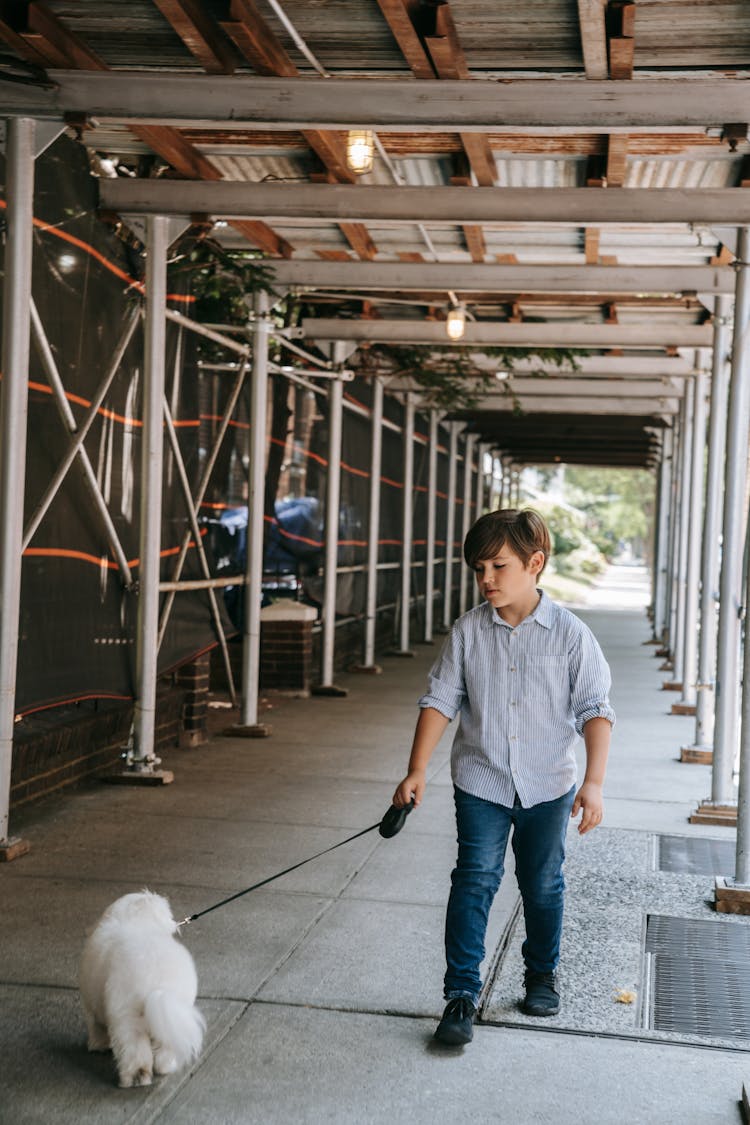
{"x": 413, "y": 786}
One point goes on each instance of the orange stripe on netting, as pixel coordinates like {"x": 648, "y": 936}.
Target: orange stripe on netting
{"x": 75, "y": 699}
{"x": 237, "y": 425}
{"x": 393, "y": 483}
{"x": 80, "y": 401}
{"x": 98, "y": 560}
{"x": 48, "y": 228}
{"x": 291, "y": 535}
{"x": 179, "y": 424}
{"x": 356, "y": 472}
{"x": 322, "y": 460}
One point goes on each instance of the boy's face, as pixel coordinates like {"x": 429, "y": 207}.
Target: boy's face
{"x": 505, "y": 581}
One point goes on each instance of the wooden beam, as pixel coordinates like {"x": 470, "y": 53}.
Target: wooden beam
{"x": 560, "y": 387}
{"x": 176, "y": 151}
{"x": 529, "y": 334}
{"x": 621, "y": 58}
{"x": 55, "y": 40}
{"x": 475, "y": 243}
{"x": 591, "y": 238}
{"x": 200, "y": 34}
{"x": 473, "y": 235}
{"x": 356, "y": 234}
{"x": 621, "y": 19}
{"x": 405, "y": 34}
{"x": 617, "y": 153}
{"x": 593, "y": 38}
{"x": 581, "y": 404}
{"x": 450, "y": 62}
{"x": 330, "y": 148}
{"x": 258, "y": 43}
{"x": 481, "y": 158}
{"x": 19, "y": 43}
{"x": 242, "y": 102}
{"x": 166, "y": 142}
{"x": 407, "y": 205}
{"x": 256, "y": 40}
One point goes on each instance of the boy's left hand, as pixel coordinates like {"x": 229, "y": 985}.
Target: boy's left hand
{"x": 588, "y": 798}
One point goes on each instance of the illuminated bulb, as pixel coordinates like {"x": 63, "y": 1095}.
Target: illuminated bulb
{"x": 502, "y": 375}
{"x": 360, "y": 149}
{"x": 455, "y": 324}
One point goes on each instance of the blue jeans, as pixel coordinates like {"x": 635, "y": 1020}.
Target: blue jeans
{"x": 539, "y": 847}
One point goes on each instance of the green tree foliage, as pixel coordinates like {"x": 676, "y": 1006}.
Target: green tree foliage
{"x": 618, "y": 505}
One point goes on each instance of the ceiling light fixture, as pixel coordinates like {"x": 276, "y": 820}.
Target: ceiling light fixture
{"x": 360, "y": 150}
{"x": 502, "y": 375}
{"x": 455, "y": 324}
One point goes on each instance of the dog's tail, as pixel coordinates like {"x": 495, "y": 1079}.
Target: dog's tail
{"x": 175, "y": 1025}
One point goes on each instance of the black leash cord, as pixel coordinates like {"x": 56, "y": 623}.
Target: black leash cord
{"x": 271, "y": 878}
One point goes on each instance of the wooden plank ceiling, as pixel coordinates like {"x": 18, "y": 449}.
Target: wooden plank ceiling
{"x": 482, "y": 40}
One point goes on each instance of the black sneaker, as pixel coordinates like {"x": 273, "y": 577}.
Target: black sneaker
{"x": 541, "y": 998}
{"x": 455, "y": 1027}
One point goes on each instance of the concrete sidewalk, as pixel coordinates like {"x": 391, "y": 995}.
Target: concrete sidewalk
{"x": 321, "y": 990}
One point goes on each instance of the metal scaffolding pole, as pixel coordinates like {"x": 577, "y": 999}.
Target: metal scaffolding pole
{"x": 429, "y": 591}
{"x": 661, "y": 554}
{"x": 674, "y": 521}
{"x": 733, "y": 539}
{"x": 686, "y": 453}
{"x": 20, "y": 138}
{"x": 376, "y": 461}
{"x": 141, "y": 758}
{"x": 248, "y": 720}
{"x": 695, "y": 528}
{"x": 479, "y": 504}
{"x": 464, "y": 572}
{"x": 450, "y": 527}
{"x": 742, "y": 854}
{"x": 704, "y": 714}
{"x": 78, "y": 436}
{"x": 674, "y": 546}
{"x": 333, "y": 503}
{"x": 407, "y": 526}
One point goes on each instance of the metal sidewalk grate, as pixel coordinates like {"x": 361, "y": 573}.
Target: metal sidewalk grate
{"x": 699, "y": 977}
{"x": 696, "y": 855}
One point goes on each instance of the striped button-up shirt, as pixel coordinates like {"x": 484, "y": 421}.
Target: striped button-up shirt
{"x": 524, "y": 695}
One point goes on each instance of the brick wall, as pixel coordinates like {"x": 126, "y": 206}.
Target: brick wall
{"x": 61, "y": 748}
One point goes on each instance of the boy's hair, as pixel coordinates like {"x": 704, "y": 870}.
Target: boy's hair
{"x": 523, "y": 532}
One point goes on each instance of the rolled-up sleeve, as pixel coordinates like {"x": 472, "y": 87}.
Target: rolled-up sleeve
{"x": 590, "y": 681}
{"x": 446, "y": 688}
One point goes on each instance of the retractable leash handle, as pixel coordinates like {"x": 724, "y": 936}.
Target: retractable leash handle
{"x": 392, "y": 822}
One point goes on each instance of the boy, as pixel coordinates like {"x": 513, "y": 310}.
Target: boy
{"x": 527, "y": 677}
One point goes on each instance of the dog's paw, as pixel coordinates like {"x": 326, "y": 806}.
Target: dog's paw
{"x": 164, "y": 1061}
{"x": 142, "y": 1077}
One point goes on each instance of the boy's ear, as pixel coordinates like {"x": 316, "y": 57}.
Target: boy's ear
{"x": 536, "y": 562}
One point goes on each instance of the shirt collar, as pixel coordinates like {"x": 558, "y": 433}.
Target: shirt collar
{"x": 543, "y": 614}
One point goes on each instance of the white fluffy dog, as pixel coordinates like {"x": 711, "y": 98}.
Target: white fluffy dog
{"x": 138, "y": 987}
